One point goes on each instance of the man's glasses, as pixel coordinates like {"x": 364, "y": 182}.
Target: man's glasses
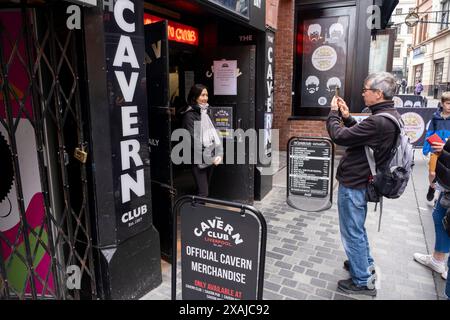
{"x": 367, "y": 89}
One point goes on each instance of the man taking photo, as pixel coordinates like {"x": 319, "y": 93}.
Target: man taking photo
{"x": 353, "y": 173}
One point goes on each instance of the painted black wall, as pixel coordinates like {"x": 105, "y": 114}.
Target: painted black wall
{"x": 127, "y": 259}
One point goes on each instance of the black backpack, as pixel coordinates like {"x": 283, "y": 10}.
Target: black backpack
{"x": 391, "y": 180}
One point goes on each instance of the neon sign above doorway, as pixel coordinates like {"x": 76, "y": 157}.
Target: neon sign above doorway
{"x": 177, "y": 32}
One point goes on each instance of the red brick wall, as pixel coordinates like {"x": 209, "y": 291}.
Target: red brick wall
{"x": 284, "y": 69}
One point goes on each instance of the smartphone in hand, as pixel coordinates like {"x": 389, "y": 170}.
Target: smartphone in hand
{"x": 336, "y": 92}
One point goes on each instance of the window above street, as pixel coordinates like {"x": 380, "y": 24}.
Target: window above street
{"x": 397, "y": 50}
{"x": 445, "y": 14}
{"x": 238, "y": 6}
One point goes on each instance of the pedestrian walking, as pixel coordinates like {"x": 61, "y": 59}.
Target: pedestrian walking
{"x": 418, "y": 88}
{"x": 399, "y": 84}
{"x": 404, "y": 84}
{"x": 353, "y": 173}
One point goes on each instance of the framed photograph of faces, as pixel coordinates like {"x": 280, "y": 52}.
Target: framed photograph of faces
{"x": 323, "y": 59}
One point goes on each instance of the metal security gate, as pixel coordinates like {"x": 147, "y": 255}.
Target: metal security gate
{"x": 46, "y": 249}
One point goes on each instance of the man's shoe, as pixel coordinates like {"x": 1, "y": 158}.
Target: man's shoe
{"x": 349, "y": 287}
{"x": 347, "y": 267}
{"x": 427, "y": 260}
{"x": 430, "y": 193}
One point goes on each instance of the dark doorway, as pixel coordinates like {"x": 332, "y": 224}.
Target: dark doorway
{"x": 234, "y": 182}
{"x": 172, "y": 68}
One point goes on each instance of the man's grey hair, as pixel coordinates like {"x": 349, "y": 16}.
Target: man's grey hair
{"x": 383, "y": 81}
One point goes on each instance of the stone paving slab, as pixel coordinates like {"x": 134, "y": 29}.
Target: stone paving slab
{"x": 305, "y": 255}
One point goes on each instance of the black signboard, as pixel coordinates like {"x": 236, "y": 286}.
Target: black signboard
{"x": 416, "y": 121}
{"x": 324, "y": 59}
{"x": 222, "y": 118}
{"x": 222, "y": 250}
{"x": 269, "y": 93}
{"x": 310, "y": 167}
{"x": 124, "y": 43}
{"x": 410, "y": 101}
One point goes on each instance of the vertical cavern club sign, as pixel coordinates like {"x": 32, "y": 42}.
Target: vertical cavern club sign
{"x": 124, "y": 39}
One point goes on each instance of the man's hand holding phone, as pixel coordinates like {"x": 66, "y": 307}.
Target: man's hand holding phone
{"x": 334, "y": 104}
{"x": 345, "y": 112}
{"x": 338, "y": 104}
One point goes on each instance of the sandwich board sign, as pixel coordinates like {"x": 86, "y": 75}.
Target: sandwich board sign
{"x": 310, "y": 173}
{"x": 222, "y": 251}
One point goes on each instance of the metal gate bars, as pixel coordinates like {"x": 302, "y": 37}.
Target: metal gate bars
{"x": 45, "y": 233}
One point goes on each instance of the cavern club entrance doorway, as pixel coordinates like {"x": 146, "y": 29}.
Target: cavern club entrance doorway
{"x": 172, "y": 68}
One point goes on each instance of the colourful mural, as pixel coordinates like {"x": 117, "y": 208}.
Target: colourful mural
{"x": 13, "y": 250}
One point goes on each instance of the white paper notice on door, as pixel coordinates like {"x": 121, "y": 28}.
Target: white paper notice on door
{"x": 225, "y": 78}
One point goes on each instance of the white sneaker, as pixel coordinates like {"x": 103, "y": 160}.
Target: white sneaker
{"x": 427, "y": 260}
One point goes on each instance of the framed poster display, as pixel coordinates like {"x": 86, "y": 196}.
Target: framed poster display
{"x": 324, "y": 58}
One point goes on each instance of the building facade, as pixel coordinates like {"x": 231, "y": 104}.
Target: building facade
{"x": 404, "y": 38}
{"x": 431, "y": 49}
{"x": 90, "y": 92}
{"x": 89, "y": 97}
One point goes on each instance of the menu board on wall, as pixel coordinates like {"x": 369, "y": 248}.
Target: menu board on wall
{"x": 222, "y": 118}
{"x": 309, "y": 169}
{"x": 324, "y": 59}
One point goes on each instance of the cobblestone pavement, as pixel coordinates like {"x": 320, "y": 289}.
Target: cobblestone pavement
{"x": 305, "y": 256}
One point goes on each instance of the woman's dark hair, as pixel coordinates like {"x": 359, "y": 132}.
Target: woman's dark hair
{"x": 194, "y": 93}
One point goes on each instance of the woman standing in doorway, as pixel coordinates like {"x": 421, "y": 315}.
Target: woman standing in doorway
{"x": 206, "y": 143}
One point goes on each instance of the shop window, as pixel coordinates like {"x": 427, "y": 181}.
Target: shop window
{"x": 423, "y": 29}
{"x": 445, "y": 14}
{"x": 397, "y": 50}
{"x": 438, "y": 71}
{"x": 323, "y": 55}
{"x": 418, "y": 73}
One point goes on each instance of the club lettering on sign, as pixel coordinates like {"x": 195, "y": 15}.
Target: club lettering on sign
{"x": 129, "y": 149}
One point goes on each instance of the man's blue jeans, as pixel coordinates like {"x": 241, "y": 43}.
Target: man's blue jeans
{"x": 352, "y": 207}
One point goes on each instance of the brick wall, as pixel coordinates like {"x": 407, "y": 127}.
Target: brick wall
{"x": 284, "y": 69}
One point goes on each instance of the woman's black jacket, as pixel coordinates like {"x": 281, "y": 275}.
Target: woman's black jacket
{"x": 191, "y": 115}
{"x": 443, "y": 167}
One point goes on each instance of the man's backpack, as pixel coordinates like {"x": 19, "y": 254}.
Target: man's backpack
{"x": 391, "y": 180}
